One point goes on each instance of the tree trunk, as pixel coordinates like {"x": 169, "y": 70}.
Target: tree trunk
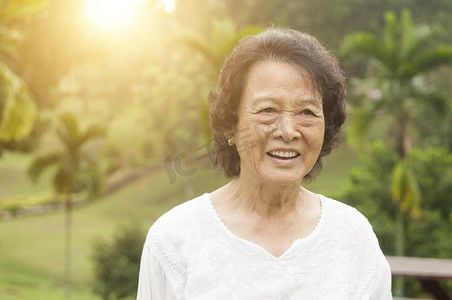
{"x": 403, "y": 145}
{"x": 68, "y": 242}
{"x": 399, "y": 250}
{"x": 400, "y": 136}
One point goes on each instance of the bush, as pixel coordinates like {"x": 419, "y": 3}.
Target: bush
{"x": 117, "y": 263}
{"x": 369, "y": 191}
{"x": 15, "y": 204}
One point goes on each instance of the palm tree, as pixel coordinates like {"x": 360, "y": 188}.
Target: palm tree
{"x": 400, "y": 57}
{"x": 76, "y": 168}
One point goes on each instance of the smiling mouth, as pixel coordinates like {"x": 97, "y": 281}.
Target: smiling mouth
{"x": 283, "y": 154}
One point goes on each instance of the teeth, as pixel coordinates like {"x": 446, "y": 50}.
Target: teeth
{"x": 283, "y": 153}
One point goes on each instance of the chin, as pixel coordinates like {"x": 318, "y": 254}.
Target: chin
{"x": 283, "y": 180}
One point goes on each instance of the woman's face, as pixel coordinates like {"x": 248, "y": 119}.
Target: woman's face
{"x": 281, "y": 124}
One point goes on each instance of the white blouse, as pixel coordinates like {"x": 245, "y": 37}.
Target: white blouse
{"x": 190, "y": 254}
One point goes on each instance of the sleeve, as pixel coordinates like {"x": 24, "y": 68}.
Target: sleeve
{"x": 153, "y": 283}
{"x": 378, "y": 280}
{"x": 382, "y": 282}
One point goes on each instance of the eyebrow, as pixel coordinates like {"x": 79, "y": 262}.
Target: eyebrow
{"x": 309, "y": 100}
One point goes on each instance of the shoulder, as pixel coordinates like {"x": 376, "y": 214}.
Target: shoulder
{"x": 168, "y": 238}
{"x": 349, "y": 227}
{"x": 180, "y": 218}
{"x": 345, "y": 215}
{"x": 175, "y": 231}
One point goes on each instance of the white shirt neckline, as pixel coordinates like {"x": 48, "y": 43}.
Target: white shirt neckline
{"x": 253, "y": 246}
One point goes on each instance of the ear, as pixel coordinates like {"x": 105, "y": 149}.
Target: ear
{"x": 229, "y": 133}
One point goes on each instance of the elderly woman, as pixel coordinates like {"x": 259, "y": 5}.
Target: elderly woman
{"x": 277, "y": 112}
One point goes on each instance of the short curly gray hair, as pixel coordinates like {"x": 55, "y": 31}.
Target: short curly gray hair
{"x": 277, "y": 44}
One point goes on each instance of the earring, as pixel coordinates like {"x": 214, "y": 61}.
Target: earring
{"x": 230, "y": 142}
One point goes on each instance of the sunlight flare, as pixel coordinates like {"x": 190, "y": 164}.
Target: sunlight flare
{"x": 169, "y": 5}
{"x": 111, "y": 15}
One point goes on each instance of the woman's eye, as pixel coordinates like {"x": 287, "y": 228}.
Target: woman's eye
{"x": 268, "y": 110}
{"x": 307, "y": 112}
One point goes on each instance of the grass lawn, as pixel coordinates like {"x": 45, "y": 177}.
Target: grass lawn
{"x": 32, "y": 248}
{"x": 13, "y": 178}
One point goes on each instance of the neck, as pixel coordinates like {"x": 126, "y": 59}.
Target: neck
{"x": 265, "y": 199}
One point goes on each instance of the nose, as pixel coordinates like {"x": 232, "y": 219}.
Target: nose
{"x": 286, "y": 128}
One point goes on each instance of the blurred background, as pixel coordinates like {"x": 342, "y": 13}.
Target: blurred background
{"x": 104, "y": 127}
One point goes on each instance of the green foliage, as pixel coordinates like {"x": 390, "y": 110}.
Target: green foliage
{"x": 76, "y": 165}
{"x": 358, "y": 131}
{"x": 175, "y": 98}
{"x": 405, "y": 189}
{"x": 154, "y": 89}
{"x": 117, "y": 262}
{"x": 434, "y": 167}
{"x": 17, "y": 109}
{"x": 11, "y": 10}
{"x": 146, "y": 84}
{"x": 44, "y": 54}
{"x": 13, "y": 13}
{"x": 16, "y": 203}
{"x": 402, "y": 54}
{"x": 29, "y": 143}
{"x": 330, "y": 23}
{"x": 369, "y": 191}
{"x": 223, "y": 38}
{"x": 403, "y": 51}
{"x": 76, "y": 168}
